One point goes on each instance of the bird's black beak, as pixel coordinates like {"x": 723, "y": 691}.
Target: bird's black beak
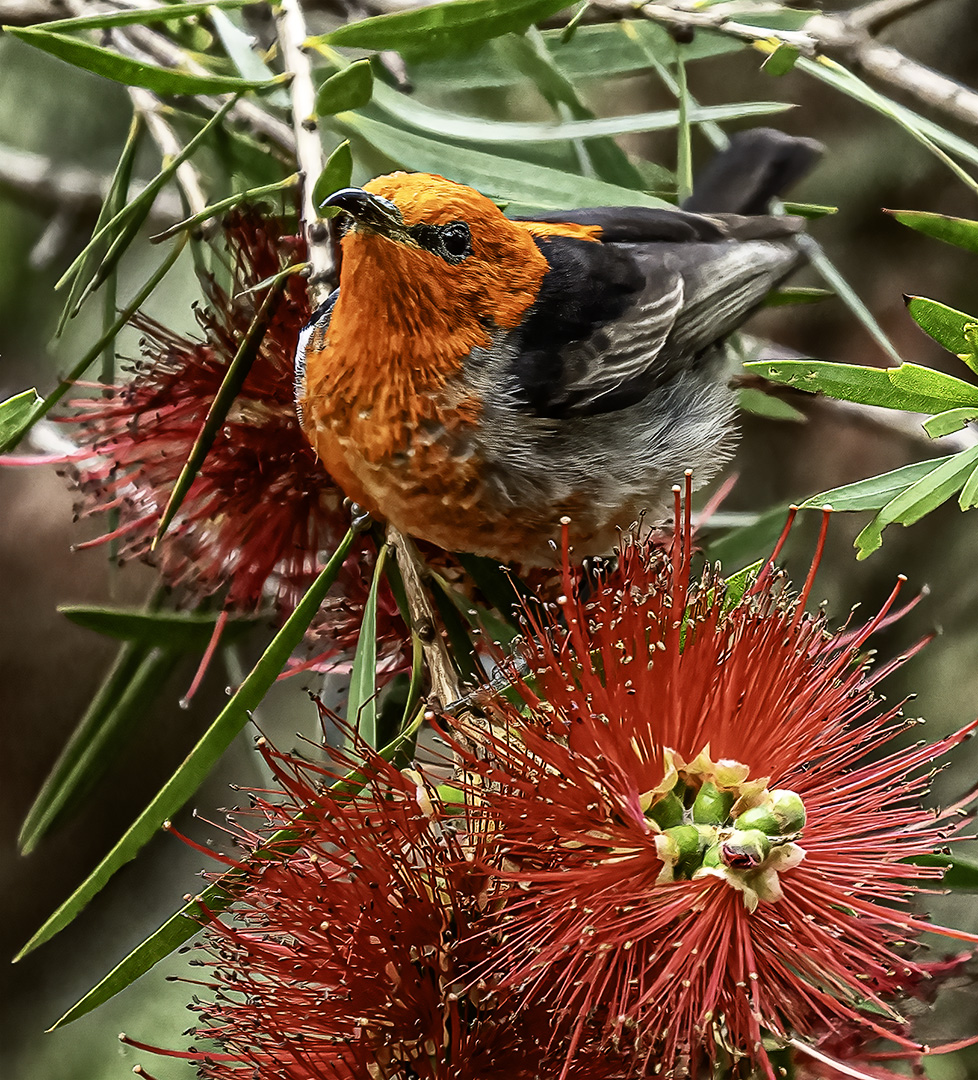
{"x": 372, "y": 213}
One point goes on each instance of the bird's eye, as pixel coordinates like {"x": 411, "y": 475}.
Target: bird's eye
{"x": 456, "y": 241}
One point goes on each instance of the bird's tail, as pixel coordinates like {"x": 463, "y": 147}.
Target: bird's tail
{"x": 758, "y": 166}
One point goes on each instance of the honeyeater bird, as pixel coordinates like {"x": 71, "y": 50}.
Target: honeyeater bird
{"x": 476, "y": 378}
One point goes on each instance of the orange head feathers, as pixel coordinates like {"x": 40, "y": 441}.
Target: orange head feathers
{"x": 476, "y": 378}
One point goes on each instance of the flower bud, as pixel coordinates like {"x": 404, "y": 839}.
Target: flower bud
{"x": 745, "y": 849}
{"x": 667, "y": 812}
{"x": 681, "y": 848}
{"x": 712, "y": 806}
{"x": 789, "y": 810}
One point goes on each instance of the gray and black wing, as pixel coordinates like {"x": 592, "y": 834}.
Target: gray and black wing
{"x": 617, "y": 319}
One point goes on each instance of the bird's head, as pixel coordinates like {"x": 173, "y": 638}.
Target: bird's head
{"x": 429, "y": 243}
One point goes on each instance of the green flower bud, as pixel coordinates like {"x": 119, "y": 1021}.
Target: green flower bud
{"x": 712, "y": 806}
{"x": 667, "y": 812}
{"x": 713, "y": 857}
{"x": 745, "y": 849}
{"x": 761, "y": 818}
{"x": 682, "y": 848}
{"x": 788, "y": 809}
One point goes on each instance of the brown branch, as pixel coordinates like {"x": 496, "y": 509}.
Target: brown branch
{"x": 308, "y": 149}
{"x": 445, "y": 686}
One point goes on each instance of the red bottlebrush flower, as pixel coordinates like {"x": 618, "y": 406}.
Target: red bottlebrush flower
{"x": 708, "y": 834}
{"x": 351, "y": 947}
{"x": 262, "y": 507}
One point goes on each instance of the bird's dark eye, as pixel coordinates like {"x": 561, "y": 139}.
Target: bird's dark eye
{"x": 456, "y": 241}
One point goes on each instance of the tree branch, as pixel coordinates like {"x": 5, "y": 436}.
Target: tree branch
{"x": 308, "y": 149}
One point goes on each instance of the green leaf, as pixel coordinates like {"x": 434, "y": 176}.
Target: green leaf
{"x": 16, "y": 415}
{"x": 182, "y": 631}
{"x": 946, "y": 422}
{"x": 443, "y": 28}
{"x": 138, "y": 675}
{"x": 960, "y": 874}
{"x": 218, "y": 208}
{"x": 968, "y": 499}
{"x": 474, "y": 129}
{"x": 960, "y": 232}
{"x": 932, "y": 489}
{"x": 202, "y": 757}
{"x": 801, "y": 295}
{"x": 336, "y": 174}
{"x": 944, "y": 324}
{"x": 240, "y": 49}
{"x": 141, "y": 203}
{"x": 516, "y": 182}
{"x": 736, "y": 584}
{"x": 876, "y": 491}
{"x": 909, "y": 386}
{"x": 781, "y": 61}
{"x": 217, "y": 897}
{"x": 350, "y": 88}
{"x": 122, "y": 69}
{"x": 114, "y": 201}
{"x": 163, "y": 13}
{"x": 68, "y": 381}
{"x": 757, "y": 402}
{"x": 362, "y": 700}
{"x": 231, "y": 384}
{"x": 809, "y": 210}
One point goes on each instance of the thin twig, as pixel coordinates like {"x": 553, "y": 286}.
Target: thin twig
{"x": 308, "y": 149}
{"x": 444, "y": 682}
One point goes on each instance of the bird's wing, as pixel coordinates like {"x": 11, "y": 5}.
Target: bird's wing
{"x": 616, "y": 320}
{"x": 314, "y": 334}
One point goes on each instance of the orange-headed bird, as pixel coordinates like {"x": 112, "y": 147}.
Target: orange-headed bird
{"x": 476, "y": 378}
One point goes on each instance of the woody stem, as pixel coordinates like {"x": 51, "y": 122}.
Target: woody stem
{"x": 308, "y": 149}
{"x": 444, "y": 682}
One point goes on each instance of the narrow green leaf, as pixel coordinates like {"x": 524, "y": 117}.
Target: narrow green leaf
{"x": 960, "y": 874}
{"x": 736, "y": 584}
{"x": 601, "y": 157}
{"x": 800, "y": 295}
{"x": 114, "y": 201}
{"x": 181, "y": 631}
{"x": 362, "y": 700}
{"x": 163, "y": 13}
{"x": 757, "y": 402}
{"x": 16, "y": 415}
{"x": 926, "y": 494}
{"x": 809, "y": 210}
{"x": 137, "y": 677}
{"x": 515, "y": 182}
{"x": 936, "y": 139}
{"x": 231, "y": 384}
{"x": 946, "y": 422}
{"x": 474, "y": 129}
{"x": 226, "y": 204}
{"x": 876, "y": 491}
{"x": 460, "y": 645}
{"x": 120, "y": 244}
{"x": 443, "y": 28}
{"x": 185, "y": 923}
{"x": 122, "y": 69}
{"x": 417, "y": 678}
{"x": 944, "y": 324}
{"x": 348, "y": 89}
{"x": 826, "y": 269}
{"x": 201, "y": 759}
{"x": 337, "y": 173}
{"x": 968, "y": 499}
{"x": 909, "y": 386}
{"x": 248, "y": 64}
{"x": 146, "y": 196}
{"x": 567, "y": 34}
{"x": 960, "y": 232}
{"x": 781, "y": 61}
{"x": 68, "y": 380}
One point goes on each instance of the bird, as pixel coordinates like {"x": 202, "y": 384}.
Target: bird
{"x": 477, "y": 379}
